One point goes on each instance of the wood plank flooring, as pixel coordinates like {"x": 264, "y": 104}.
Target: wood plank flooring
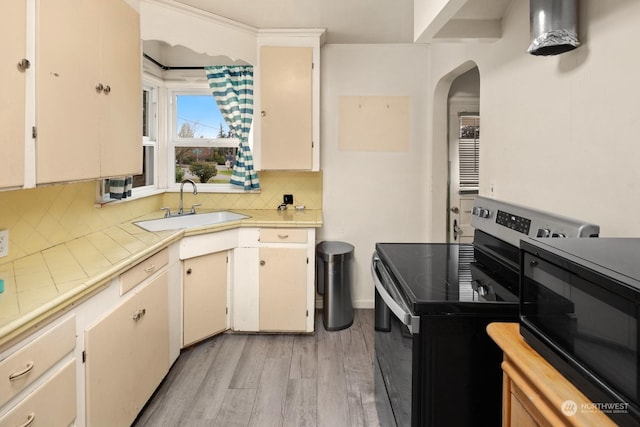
{"x": 325, "y": 379}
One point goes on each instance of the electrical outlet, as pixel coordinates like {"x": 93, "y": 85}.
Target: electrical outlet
{"x": 4, "y": 243}
{"x": 288, "y": 199}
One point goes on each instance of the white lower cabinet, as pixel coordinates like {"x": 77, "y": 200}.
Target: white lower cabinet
{"x": 38, "y": 378}
{"x": 283, "y": 289}
{"x": 273, "y": 283}
{"x": 204, "y": 294}
{"x": 53, "y": 403}
{"x": 127, "y": 355}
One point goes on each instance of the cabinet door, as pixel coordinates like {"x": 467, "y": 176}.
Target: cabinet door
{"x": 520, "y": 417}
{"x": 127, "y": 355}
{"x": 204, "y": 296}
{"x": 12, "y": 101}
{"x": 120, "y": 70}
{"x": 84, "y": 132}
{"x": 286, "y": 89}
{"x": 283, "y": 289}
{"x": 67, "y": 51}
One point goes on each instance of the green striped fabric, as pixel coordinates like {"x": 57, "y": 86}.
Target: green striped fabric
{"x": 120, "y": 188}
{"x": 232, "y": 88}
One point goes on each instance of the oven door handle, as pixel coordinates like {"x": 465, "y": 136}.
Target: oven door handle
{"x": 409, "y": 320}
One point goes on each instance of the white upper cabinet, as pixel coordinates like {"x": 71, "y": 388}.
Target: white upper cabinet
{"x": 458, "y": 20}
{"x": 12, "y": 101}
{"x": 88, "y": 98}
{"x": 286, "y": 124}
{"x": 286, "y": 107}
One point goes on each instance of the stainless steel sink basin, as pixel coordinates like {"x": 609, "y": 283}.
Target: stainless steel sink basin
{"x": 189, "y": 221}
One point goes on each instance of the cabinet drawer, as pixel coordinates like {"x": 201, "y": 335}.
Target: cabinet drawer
{"x": 283, "y": 235}
{"x": 53, "y": 403}
{"x": 25, "y": 365}
{"x": 134, "y": 276}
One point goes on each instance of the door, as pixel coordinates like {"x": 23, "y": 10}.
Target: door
{"x": 283, "y": 289}
{"x": 464, "y": 167}
{"x": 205, "y": 296}
{"x": 127, "y": 355}
{"x": 120, "y": 70}
{"x": 12, "y": 102}
{"x": 68, "y": 63}
{"x": 285, "y": 88}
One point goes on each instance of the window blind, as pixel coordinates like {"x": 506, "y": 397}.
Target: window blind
{"x": 469, "y": 153}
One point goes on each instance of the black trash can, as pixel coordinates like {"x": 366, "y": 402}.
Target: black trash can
{"x": 334, "y": 273}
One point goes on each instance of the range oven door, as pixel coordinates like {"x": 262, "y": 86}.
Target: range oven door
{"x": 396, "y": 330}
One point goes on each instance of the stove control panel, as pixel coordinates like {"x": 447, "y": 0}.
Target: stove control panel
{"x": 514, "y": 222}
{"x": 511, "y": 222}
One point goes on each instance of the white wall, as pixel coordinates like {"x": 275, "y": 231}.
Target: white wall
{"x": 373, "y": 197}
{"x": 558, "y": 133}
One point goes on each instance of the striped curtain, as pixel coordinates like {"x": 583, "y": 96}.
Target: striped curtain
{"x": 232, "y": 88}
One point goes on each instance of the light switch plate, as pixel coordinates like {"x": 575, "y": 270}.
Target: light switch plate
{"x": 4, "y": 243}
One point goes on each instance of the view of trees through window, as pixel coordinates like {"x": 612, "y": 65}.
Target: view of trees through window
{"x": 205, "y": 147}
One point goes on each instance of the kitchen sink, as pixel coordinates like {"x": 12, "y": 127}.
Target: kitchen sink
{"x": 189, "y": 221}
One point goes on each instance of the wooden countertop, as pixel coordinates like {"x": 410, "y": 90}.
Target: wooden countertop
{"x": 549, "y": 385}
{"x": 44, "y": 284}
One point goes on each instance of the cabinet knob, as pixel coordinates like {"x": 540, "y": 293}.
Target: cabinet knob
{"x": 189, "y": 271}
{"x": 24, "y": 64}
{"x": 262, "y": 262}
{"x": 138, "y": 314}
{"x": 263, "y": 113}
{"x": 106, "y": 89}
{"x": 99, "y": 87}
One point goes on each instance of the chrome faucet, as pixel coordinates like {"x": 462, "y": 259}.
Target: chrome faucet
{"x": 195, "y": 191}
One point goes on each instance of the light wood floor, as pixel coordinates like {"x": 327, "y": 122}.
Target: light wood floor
{"x": 325, "y": 379}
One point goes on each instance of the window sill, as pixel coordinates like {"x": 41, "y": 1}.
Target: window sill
{"x": 215, "y": 188}
{"x": 137, "y": 196}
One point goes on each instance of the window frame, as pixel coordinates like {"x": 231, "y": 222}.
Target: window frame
{"x": 173, "y": 141}
{"x": 151, "y": 140}
{"x": 469, "y": 154}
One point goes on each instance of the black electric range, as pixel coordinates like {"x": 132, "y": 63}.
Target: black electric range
{"x": 435, "y": 365}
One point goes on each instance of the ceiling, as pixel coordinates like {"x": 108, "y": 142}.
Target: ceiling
{"x": 346, "y": 21}
{"x": 365, "y": 21}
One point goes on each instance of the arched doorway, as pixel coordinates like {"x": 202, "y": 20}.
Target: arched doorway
{"x": 463, "y": 155}
{"x": 439, "y": 218}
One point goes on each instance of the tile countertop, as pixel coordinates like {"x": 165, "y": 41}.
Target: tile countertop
{"x": 39, "y": 286}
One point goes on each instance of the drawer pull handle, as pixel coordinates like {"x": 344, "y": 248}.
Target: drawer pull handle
{"x": 30, "y": 418}
{"x": 283, "y": 236}
{"x": 138, "y": 314}
{"x": 150, "y": 268}
{"x": 24, "y": 372}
